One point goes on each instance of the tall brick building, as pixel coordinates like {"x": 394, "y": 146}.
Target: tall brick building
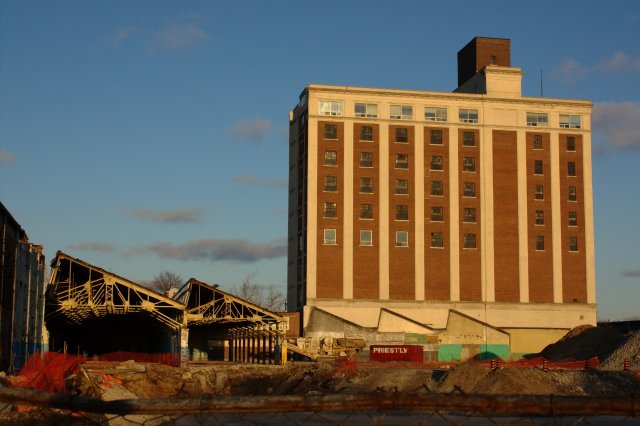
{"x": 411, "y": 210}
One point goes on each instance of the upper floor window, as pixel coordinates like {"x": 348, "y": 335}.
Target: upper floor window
{"x": 330, "y": 108}
{"x": 469, "y": 215}
{"x": 537, "y": 119}
{"x": 435, "y": 114}
{"x": 537, "y": 142}
{"x": 402, "y": 239}
{"x": 468, "y": 139}
{"x": 573, "y": 218}
{"x": 573, "y": 194}
{"x": 401, "y": 112}
{"x": 571, "y": 143}
{"x": 437, "y": 239}
{"x": 437, "y": 188}
{"x": 539, "y": 192}
{"x": 537, "y": 167}
{"x": 573, "y": 243}
{"x": 330, "y": 158}
{"x": 330, "y": 183}
{"x": 366, "y": 238}
{"x": 402, "y": 161}
{"x": 539, "y": 217}
{"x": 330, "y": 210}
{"x": 366, "y": 211}
{"x": 402, "y": 186}
{"x": 571, "y": 168}
{"x": 568, "y": 121}
{"x": 468, "y": 115}
{"x": 468, "y": 164}
{"x": 366, "y": 159}
{"x": 539, "y": 242}
{"x": 366, "y": 133}
{"x": 402, "y": 134}
{"x": 469, "y": 189}
{"x": 436, "y": 137}
{"x": 330, "y": 237}
{"x": 331, "y": 131}
{"x": 436, "y": 162}
{"x": 366, "y": 185}
{"x": 366, "y": 110}
{"x": 469, "y": 241}
{"x": 437, "y": 214}
{"x": 402, "y": 212}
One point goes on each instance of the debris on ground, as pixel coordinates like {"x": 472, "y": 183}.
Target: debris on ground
{"x": 584, "y": 342}
{"x": 629, "y": 350}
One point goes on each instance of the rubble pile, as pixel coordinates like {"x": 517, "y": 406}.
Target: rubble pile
{"x": 629, "y": 350}
{"x": 583, "y": 343}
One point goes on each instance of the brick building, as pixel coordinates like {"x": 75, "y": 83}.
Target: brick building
{"x": 407, "y": 208}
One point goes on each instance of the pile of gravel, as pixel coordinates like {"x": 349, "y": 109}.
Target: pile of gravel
{"x": 630, "y": 350}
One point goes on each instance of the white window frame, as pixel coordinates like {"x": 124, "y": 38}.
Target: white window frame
{"x": 331, "y": 108}
{"x": 435, "y": 114}
{"x": 370, "y": 110}
{"x": 364, "y": 241}
{"x": 402, "y": 242}
{"x": 401, "y": 112}
{"x": 538, "y": 119}
{"x": 570, "y": 121}
{"x": 466, "y": 115}
{"x": 328, "y": 241}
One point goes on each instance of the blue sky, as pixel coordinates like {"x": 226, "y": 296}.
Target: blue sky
{"x": 152, "y": 135}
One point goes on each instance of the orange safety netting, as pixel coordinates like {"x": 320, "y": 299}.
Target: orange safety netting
{"x": 46, "y": 372}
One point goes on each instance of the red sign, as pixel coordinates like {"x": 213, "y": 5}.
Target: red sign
{"x": 385, "y": 353}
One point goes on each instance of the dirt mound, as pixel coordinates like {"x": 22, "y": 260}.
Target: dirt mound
{"x": 584, "y": 342}
{"x": 630, "y": 350}
{"x": 464, "y": 377}
{"x": 516, "y": 381}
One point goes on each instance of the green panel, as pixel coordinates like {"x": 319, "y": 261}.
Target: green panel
{"x": 415, "y": 338}
{"x": 490, "y": 351}
{"x": 450, "y": 352}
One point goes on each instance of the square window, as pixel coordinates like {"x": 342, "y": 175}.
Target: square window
{"x": 469, "y": 241}
{"x": 330, "y": 237}
{"x": 366, "y": 159}
{"x": 573, "y": 194}
{"x": 436, "y": 162}
{"x": 537, "y": 119}
{"x": 330, "y": 158}
{"x": 571, "y": 143}
{"x": 366, "y": 211}
{"x": 468, "y": 115}
{"x": 330, "y": 210}
{"x": 568, "y": 121}
{"x": 366, "y": 110}
{"x": 437, "y": 188}
{"x": 469, "y": 189}
{"x": 573, "y": 243}
{"x": 401, "y": 112}
{"x": 468, "y": 139}
{"x": 366, "y": 185}
{"x": 537, "y": 142}
{"x": 539, "y": 193}
{"x": 402, "y": 161}
{"x": 469, "y": 215}
{"x": 571, "y": 168}
{"x": 402, "y": 239}
{"x": 537, "y": 167}
{"x": 539, "y": 242}
{"x": 402, "y": 212}
{"x": 330, "y": 108}
{"x": 437, "y": 214}
{"x": 435, "y": 114}
{"x": 539, "y": 217}
{"x": 330, "y": 183}
{"x": 436, "y": 137}
{"x": 573, "y": 218}
{"x": 366, "y": 238}
{"x": 330, "y": 131}
{"x": 437, "y": 240}
{"x": 402, "y": 186}
{"x": 366, "y": 133}
{"x": 468, "y": 164}
{"x": 402, "y": 135}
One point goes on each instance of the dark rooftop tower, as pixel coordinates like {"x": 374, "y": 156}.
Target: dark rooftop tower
{"x": 480, "y": 52}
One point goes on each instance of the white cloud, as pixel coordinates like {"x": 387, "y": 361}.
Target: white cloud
{"x": 252, "y": 129}
{"x": 180, "y": 35}
{"x": 254, "y": 181}
{"x": 620, "y": 61}
{"x": 7, "y": 158}
{"x": 167, "y": 216}
{"x": 570, "y": 71}
{"x": 618, "y": 123}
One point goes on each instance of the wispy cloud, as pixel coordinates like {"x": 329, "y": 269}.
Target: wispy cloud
{"x": 121, "y": 35}
{"x": 93, "y": 246}
{"x": 632, "y": 273}
{"x": 179, "y": 36}
{"x": 167, "y": 216}
{"x": 216, "y": 250}
{"x": 571, "y": 71}
{"x": 7, "y": 158}
{"x": 255, "y": 181}
{"x": 617, "y": 123}
{"x": 251, "y": 130}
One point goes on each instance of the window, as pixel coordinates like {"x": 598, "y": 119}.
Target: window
{"x": 573, "y": 218}
{"x": 402, "y": 161}
{"x": 402, "y": 186}
{"x": 366, "y": 133}
{"x": 401, "y": 112}
{"x": 366, "y": 238}
{"x": 402, "y": 212}
{"x": 537, "y": 142}
{"x": 537, "y": 167}
{"x": 493, "y": 60}
{"x": 366, "y": 110}
{"x": 402, "y": 239}
{"x": 366, "y": 185}
{"x": 436, "y": 162}
{"x": 573, "y": 243}
{"x": 402, "y": 134}
{"x": 539, "y": 194}
{"x": 468, "y": 139}
{"x": 330, "y": 183}
{"x": 330, "y": 158}
{"x": 366, "y": 159}
{"x": 468, "y": 115}
{"x": 330, "y": 108}
{"x": 539, "y": 242}
{"x": 571, "y": 168}
{"x": 469, "y": 189}
{"x": 436, "y": 137}
{"x": 573, "y": 194}
{"x": 330, "y": 210}
{"x": 437, "y": 214}
{"x": 437, "y": 239}
{"x": 571, "y": 143}
{"x": 468, "y": 164}
{"x": 570, "y": 121}
{"x": 539, "y": 217}
{"x": 330, "y": 237}
{"x": 469, "y": 241}
{"x": 366, "y": 211}
{"x": 330, "y": 131}
{"x": 435, "y": 114}
{"x": 437, "y": 188}
{"x": 469, "y": 215}
{"x": 537, "y": 119}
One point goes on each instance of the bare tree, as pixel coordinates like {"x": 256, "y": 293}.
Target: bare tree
{"x": 164, "y": 281}
{"x": 268, "y": 297}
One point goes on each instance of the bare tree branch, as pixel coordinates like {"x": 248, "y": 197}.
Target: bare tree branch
{"x": 164, "y": 281}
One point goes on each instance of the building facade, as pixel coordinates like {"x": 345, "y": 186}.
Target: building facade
{"x": 407, "y": 206}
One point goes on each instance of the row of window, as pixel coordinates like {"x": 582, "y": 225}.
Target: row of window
{"x": 401, "y": 135}
{"x": 572, "y": 218}
{"x": 434, "y": 113}
{"x": 538, "y": 168}
{"x": 401, "y": 161}
{"x": 572, "y": 246}
{"x": 570, "y": 146}
{"x": 330, "y": 211}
